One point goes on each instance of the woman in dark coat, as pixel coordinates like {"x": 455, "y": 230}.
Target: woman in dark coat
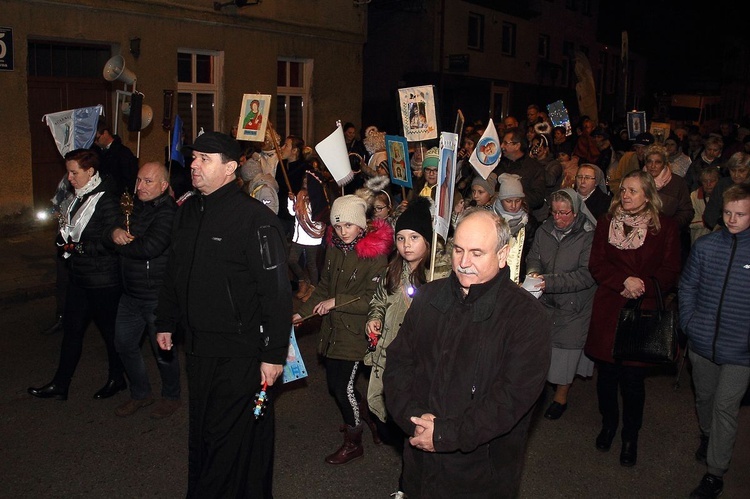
{"x": 560, "y": 257}
{"x": 633, "y": 245}
{"x": 93, "y": 291}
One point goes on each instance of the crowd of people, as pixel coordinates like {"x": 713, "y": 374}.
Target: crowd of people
{"x": 593, "y": 219}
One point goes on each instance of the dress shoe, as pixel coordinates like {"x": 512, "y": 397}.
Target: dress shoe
{"x": 54, "y": 328}
{"x": 165, "y": 408}
{"x": 555, "y": 410}
{"x": 131, "y": 406}
{"x": 629, "y": 453}
{"x": 111, "y": 387}
{"x": 604, "y": 439}
{"x": 49, "y": 391}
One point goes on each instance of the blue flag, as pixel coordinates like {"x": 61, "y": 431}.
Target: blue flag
{"x": 75, "y": 128}
{"x": 177, "y": 138}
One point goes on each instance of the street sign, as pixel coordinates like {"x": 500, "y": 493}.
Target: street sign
{"x": 6, "y": 49}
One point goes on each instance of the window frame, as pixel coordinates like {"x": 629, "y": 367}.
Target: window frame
{"x": 193, "y": 88}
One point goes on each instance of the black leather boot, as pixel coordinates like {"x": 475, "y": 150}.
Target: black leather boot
{"x": 110, "y": 388}
{"x": 629, "y": 452}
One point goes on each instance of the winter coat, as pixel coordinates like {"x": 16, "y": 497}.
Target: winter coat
{"x": 389, "y": 309}
{"x": 598, "y": 203}
{"x": 478, "y": 363}
{"x": 143, "y": 262}
{"x": 265, "y": 189}
{"x": 344, "y": 277}
{"x": 569, "y": 287}
{"x": 226, "y": 279}
{"x": 119, "y": 163}
{"x": 532, "y": 175}
{"x": 94, "y": 265}
{"x": 658, "y": 257}
{"x": 714, "y": 302}
{"x": 675, "y": 199}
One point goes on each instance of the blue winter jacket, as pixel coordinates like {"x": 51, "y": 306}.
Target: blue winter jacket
{"x": 714, "y": 298}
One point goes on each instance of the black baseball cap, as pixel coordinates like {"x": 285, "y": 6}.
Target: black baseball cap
{"x": 217, "y": 142}
{"x": 644, "y": 139}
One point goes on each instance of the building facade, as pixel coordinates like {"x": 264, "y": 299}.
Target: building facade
{"x": 195, "y": 58}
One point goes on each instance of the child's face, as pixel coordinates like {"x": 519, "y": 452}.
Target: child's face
{"x": 411, "y": 245}
{"x": 347, "y": 232}
{"x": 480, "y": 195}
{"x": 561, "y": 156}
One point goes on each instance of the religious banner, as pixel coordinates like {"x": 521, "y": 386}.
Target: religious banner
{"x": 74, "y": 128}
{"x": 487, "y": 152}
{"x": 294, "y": 368}
{"x": 253, "y": 117}
{"x": 446, "y": 183}
{"x": 558, "y": 115}
{"x": 398, "y": 160}
{"x": 418, "y": 115}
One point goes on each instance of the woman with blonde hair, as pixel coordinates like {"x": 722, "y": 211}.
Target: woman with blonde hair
{"x": 634, "y": 247}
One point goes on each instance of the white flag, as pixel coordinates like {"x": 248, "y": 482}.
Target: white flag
{"x": 487, "y": 152}
{"x": 75, "y": 128}
{"x": 333, "y": 153}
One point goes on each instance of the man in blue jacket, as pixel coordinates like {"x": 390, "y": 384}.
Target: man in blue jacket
{"x": 715, "y": 315}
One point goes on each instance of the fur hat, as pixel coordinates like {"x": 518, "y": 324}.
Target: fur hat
{"x": 417, "y": 217}
{"x": 431, "y": 158}
{"x": 644, "y": 139}
{"x": 374, "y": 140}
{"x": 489, "y": 185}
{"x": 349, "y": 209}
{"x": 510, "y": 186}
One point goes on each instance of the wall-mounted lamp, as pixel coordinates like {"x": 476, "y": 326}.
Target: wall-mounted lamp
{"x": 135, "y": 47}
{"x": 238, "y": 3}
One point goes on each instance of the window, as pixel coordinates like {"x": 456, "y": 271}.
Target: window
{"x": 543, "y": 49}
{"x": 65, "y": 60}
{"x": 198, "y": 96}
{"x": 293, "y": 109}
{"x": 475, "y": 39}
{"x": 568, "y": 63}
{"x": 509, "y": 39}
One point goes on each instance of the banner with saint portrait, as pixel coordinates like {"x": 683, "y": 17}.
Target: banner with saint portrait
{"x": 253, "y": 117}
{"x": 446, "y": 185}
{"x": 417, "y": 105}
{"x": 397, "y": 150}
{"x": 487, "y": 152}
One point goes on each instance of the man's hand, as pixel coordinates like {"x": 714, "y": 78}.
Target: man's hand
{"x": 164, "y": 340}
{"x": 425, "y": 426}
{"x": 269, "y": 372}
{"x": 121, "y": 237}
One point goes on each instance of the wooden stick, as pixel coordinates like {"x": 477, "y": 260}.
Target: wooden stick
{"x": 281, "y": 161}
{"x": 300, "y": 321}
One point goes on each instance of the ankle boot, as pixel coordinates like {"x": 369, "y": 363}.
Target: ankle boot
{"x": 364, "y": 413}
{"x": 352, "y": 448}
{"x": 51, "y": 390}
{"x": 302, "y": 289}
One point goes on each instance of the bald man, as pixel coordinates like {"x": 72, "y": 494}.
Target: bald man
{"x": 142, "y": 246}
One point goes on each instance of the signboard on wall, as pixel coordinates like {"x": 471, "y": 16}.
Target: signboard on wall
{"x": 6, "y": 49}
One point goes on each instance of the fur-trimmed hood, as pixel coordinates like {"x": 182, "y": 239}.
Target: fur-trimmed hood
{"x": 377, "y": 241}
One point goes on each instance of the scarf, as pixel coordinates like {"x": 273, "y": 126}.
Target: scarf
{"x": 516, "y": 221}
{"x": 633, "y": 238}
{"x": 663, "y": 178}
{"x": 345, "y": 247}
{"x": 75, "y": 223}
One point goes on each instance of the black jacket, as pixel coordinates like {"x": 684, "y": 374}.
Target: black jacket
{"x": 92, "y": 264}
{"x": 119, "y": 162}
{"x": 143, "y": 262}
{"x": 226, "y": 280}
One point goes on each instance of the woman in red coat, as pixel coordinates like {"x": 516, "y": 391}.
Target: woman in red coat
{"x": 633, "y": 244}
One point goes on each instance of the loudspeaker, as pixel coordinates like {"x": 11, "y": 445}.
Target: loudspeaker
{"x": 114, "y": 69}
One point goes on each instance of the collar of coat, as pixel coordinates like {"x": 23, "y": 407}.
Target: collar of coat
{"x": 377, "y": 241}
{"x": 483, "y": 297}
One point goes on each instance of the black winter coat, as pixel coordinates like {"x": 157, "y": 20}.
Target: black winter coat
{"x": 143, "y": 262}
{"x": 94, "y": 265}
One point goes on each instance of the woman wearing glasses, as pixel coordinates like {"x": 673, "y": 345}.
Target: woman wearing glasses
{"x": 590, "y": 185}
{"x": 560, "y": 257}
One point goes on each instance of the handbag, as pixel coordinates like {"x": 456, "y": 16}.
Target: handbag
{"x": 646, "y": 335}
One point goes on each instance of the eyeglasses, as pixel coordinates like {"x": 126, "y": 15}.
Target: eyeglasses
{"x": 380, "y": 208}
{"x": 509, "y": 142}
{"x": 585, "y": 177}
{"x": 560, "y": 213}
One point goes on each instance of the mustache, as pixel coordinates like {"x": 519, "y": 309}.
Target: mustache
{"x": 465, "y": 270}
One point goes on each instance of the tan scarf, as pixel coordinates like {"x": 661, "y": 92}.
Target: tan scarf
{"x": 633, "y": 238}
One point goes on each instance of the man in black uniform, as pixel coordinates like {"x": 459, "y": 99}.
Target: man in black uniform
{"x": 227, "y": 285}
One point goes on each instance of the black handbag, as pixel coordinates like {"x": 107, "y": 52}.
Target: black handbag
{"x": 646, "y": 335}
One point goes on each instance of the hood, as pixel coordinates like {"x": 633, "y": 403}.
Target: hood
{"x": 377, "y": 241}
{"x": 267, "y": 179}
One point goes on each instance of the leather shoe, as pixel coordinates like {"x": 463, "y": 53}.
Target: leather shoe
{"x": 629, "y": 452}
{"x": 49, "y": 391}
{"x": 604, "y": 439}
{"x": 555, "y": 410}
{"x": 111, "y": 387}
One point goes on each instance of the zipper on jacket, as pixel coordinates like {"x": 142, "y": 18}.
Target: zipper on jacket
{"x": 201, "y": 203}
{"x": 234, "y": 307}
{"x": 721, "y": 298}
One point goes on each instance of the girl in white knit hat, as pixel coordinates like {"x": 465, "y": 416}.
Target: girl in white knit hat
{"x": 356, "y": 259}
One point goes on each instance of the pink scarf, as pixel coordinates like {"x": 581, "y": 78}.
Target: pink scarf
{"x": 663, "y": 178}
{"x": 635, "y": 237}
